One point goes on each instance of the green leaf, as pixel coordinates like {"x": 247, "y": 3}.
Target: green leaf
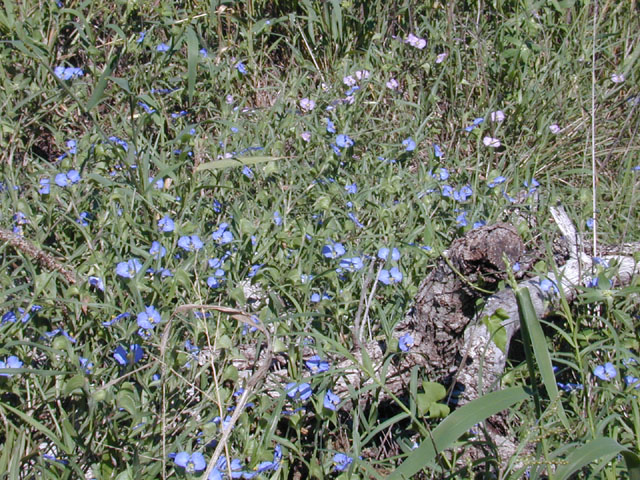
{"x": 534, "y": 336}
{"x": 586, "y": 454}
{"x": 454, "y": 426}
{"x": 192, "y": 61}
{"x": 98, "y": 91}
{"x": 497, "y": 331}
{"x": 235, "y": 162}
{"x": 633, "y": 464}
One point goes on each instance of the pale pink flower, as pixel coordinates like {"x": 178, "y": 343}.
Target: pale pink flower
{"x": 491, "y": 142}
{"x": 416, "y": 42}
{"x": 362, "y": 74}
{"x": 617, "y": 77}
{"x": 307, "y": 104}
{"x": 349, "y": 81}
{"x": 306, "y": 136}
{"x": 392, "y": 84}
{"x": 441, "y": 57}
{"x": 497, "y": 116}
{"x": 554, "y": 128}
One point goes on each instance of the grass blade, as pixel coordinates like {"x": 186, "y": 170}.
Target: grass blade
{"x": 588, "y": 453}
{"x": 534, "y": 339}
{"x": 455, "y": 425}
{"x": 192, "y": 62}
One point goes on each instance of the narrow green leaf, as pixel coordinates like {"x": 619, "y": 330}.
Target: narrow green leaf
{"x": 602, "y": 447}
{"x": 235, "y": 162}
{"x": 192, "y": 61}
{"x": 633, "y": 464}
{"x": 98, "y": 91}
{"x": 454, "y": 426}
{"x": 532, "y": 332}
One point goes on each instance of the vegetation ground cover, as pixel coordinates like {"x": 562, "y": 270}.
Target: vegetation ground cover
{"x": 267, "y": 157}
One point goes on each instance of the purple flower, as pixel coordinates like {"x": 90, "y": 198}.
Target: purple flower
{"x": 352, "y": 188}
{"x": 416, "y": 42}
{"x": 45, "y": 186}
{"x": 548, "y": 286}
{"x": 141, "y": 36}
{"x": 497, "y": 181}
{"x": 331, "y": 401}
{"x": 115, "y": 319}
{"x": 277, "y": 219}
{"x": 190, "y": 243}
{"x": 119, "y": 142}
{"x": 162, "y": 47}
{"x": 307, "y": 104}
{"x": 129, "y": 269}
{"x": 191, "y": 463}
{"x": 298, "y": 391}
{"x": 475, "y": 123}
{"x": 242, "y": 68}
{"x": 390, "y": 276}
{"x": 383, "y": 254}
{"x": 437, "y": 151}
{"x": 331, "y": 128}
{"x": 605, "y": 372}
{"x": 247, "y": 172}
{"x": 66, "y": 179}
{"x": 85, "y": 364}
{"x": 632, "y": 381}
{"x": 405, "y": 342}
{"x": 97, "y": 283}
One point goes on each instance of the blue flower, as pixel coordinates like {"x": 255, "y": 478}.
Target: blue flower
{"x": 129, "y": 269}
{"x": 204, "y": 52}
{"x": 331, "y": 128}
{"x": 298, "y": 391}
{"x": 217, "y": 279}
{"x": 383, "y": 254}
{"x": 86, "y": 364}
{"x": 464, "y": 193}
{"x": 317, "y": 364}
{"x": 548, "y": 286}
{"x": 390, "y": 276}
{"x": 570, "y": 387}
{"x": 409, "y": 144}
{"x": 119, "y": 142}
{"x": 242, "y": 68}
{"x": 59, "y": 331}
{"x": 84, "y": 219}
{"x": 353, "y": 188}
{"x": 355, "y": 220}
{"x": 10, "y": 362}
{"x": 316, "y": 297}
{"x": 97, "y": 283}
{"x": 141, "y": 36}
{"x": 222, "y": 235}
{"x": 147, "y": 108}
{"x": 590, "y": 223}
{"x": 461, "y": 219}
{"x": 254, "y": 269}
{"x": 149, "y": 318}
{"x": 344, "y": 141}
{"x": 45, "y": 186}
{"x": 66, "y": 179}
{"x": 190, "y": 243}
{"x": 68, "y": 73}
{"x": 334, "y": 250}
{"x": 405, "y": 342}
{"x": 605, "y": 372}
{"x": 247, "y": 172}
{"x": 331, "y": 401}
{"x": 120, "y": 354}
{"x": 165, "y": 224}
{"x": 437, "y": 151}
{"x": 632, "y": 381}
{"x": 341, "y": 462}
{"x": 162, "y": 47}
{"x": 475, "y": 123}
{"x": 351, "y": 264}
{"x": 157, "y": 250}
{"x": 277, "y": 219}
{"x": 447, "y": 191}
{"x": 191, "y": 463}
{"x": 115, "y": 319}
{"x": 482, "y": 223}
{"x": 497, "y": 181}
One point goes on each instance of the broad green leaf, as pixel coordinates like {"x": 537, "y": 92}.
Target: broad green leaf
{"x": 497, "y": 331}
{"x": 454, "y": 426}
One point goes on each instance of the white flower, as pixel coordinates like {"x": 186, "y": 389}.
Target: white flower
{"x": 306, "y": 136}
{"x": 554, "y": 128}
{"x": 491, "y": 142}
{"x": 307, "y": 104}
{"x": 349, "y": 81}
{"x": 497, "y": 116}
{"x": 416, "y": 42}
{"x": 441, "y": 57}
{"x": 392, "y": 84}
{"x": 617, "y": 77}
{"x": 362, "y": 74}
